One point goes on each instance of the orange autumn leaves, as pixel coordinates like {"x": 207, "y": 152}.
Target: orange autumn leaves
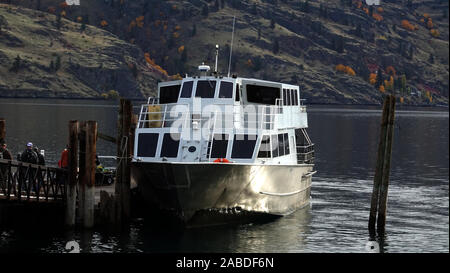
{"x": 345, "y": 69}
{"x": 426, "y": 21}
{"x": 152, "y": 63}
{"x": 376, "y": 16}
{"x": 408, "y": 26}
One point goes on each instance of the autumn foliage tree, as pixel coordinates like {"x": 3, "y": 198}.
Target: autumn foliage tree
{"x": 372, "y": 78}
{"x": 345, "y": 69}
{"x": 390, "y": 70}
{"x": 408, "y": 26}
{"x": 434, "y": 32}
{"x": 430, "y": 23}
{"x": 153, "y": 64}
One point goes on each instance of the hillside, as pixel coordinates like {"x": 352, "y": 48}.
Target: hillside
{"x": 332, "y": 49}
{"x": 41, "y": 60}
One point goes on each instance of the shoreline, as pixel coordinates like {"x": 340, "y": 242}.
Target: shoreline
{"x": 79, "y": 99}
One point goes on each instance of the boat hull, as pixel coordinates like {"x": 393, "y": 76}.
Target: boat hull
{"x": 217, "y": 193}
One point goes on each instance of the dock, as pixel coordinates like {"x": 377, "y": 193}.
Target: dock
{"x": 32, "y": 194}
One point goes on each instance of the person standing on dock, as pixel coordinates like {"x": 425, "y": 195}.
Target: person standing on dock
{"x": 29, "y": 156}
{"x": 4, "y": 153}
{"x": 64, "y": 161}
{"x": 41, "y": 159}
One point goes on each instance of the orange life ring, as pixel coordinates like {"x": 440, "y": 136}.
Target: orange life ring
{"x": 221, "y": 160}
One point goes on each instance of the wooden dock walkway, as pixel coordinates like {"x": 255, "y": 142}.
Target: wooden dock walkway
{"x": 51, "y": 182}
{"x": 31, "y": 191}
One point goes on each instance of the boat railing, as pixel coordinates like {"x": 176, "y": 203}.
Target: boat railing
{"x": 305, "y": 154}
{"x": 153, "y": 101}
{"x": 302, "y": 106}
{"x": 263, "y": 117}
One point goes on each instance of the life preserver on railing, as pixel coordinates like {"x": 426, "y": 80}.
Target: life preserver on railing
{"x": 221, "y": 160}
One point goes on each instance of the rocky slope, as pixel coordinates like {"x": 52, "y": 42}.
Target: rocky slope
{"x": 300, "y": 42}
{"x": 38, "y": 59}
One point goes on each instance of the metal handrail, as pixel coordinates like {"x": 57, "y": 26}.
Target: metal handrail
{"x": 262, "y": 118}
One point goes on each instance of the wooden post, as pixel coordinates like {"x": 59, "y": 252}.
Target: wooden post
{"x": 122, "y": 187}
{"x": 379, "y": 165}
{"x": 82, "y": 169}
{"x": 134, "y": 121}
{"x": 2, "y": 130}
{"x": 91, "y": 150}
{"x": 382, "y": 205}
{"x": 72, "y": 178}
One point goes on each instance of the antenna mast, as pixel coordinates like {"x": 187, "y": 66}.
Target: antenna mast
{"x": 217, "y": 58}
{"x": 231, "y": 48}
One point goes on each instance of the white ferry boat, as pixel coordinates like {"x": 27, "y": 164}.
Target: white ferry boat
{"x": 212, "y": 149}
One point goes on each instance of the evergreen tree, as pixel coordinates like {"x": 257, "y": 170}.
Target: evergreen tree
{"x": 134, "y": 70}
{"x": 276, "y": 47}
{"x": 411, "y": 52}
{"x": 194, "y": 30}
{"x": 205, "y": 10}
{"x": 358, "y": 31}
{"x": 379, "y": 81}
{"x": 409, "y": 4}
{"x": 16, "y": 64}
{"x": 216, "y": 5}
{"x": 52, "y": 66}
{"x": 431, "y": 58}
{"x": 58, "y": 21}
{"x": 338, "y": 44}
{"x": 57, "y": 63}
{"x": 403, "y": 88}
{"x": 253, "y": 10}
{"x": 184, "y": 55}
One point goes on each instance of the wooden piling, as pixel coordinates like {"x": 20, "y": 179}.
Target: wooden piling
{"x": 2, "y": 130}
{"x": 134, "y": 121}
{"x": 379, "y": 165}
{"x": 382, "y": 205}
{"x": 72, "y": 178}
{"x": 122, "y": 186}
{"x": 82, "y": 167}
{"x": 91, "y": 150}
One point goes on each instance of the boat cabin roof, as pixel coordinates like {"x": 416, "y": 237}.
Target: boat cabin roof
{"x": 247, "y": 90}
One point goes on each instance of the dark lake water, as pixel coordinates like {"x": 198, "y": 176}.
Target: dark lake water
{"x": 346, "y": 141}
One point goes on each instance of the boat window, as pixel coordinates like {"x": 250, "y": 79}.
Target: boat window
{"x": 186, "y": 91}
{"x": 206, "y": 89}
{"x": 147, "y": 144}
{"x": 284, "y": 97}
{"x": 286, "y": 143}
{"x": 275, "y": 151}
{"x": 262, "y": 94}
{"x": 264, "y": 149}
{"x": 281, "y": 150}
{"x": 226, "y": 90}
{"x": 220, "y": 145}
{"x": 295, "y": 97}
{"x": 289, "y": 92}
{"x": 170, "y": 145}
{"x": 243, "y": 146}
{"x": 237, "y": 98}
{"x": 169, "y": 94}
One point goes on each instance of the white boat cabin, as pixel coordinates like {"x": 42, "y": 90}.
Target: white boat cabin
{"x": 224, "y": 119}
